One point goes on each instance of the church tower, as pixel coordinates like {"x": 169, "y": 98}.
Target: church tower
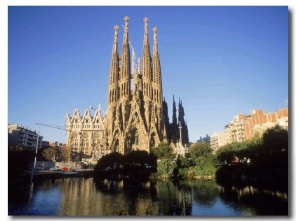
{"x": 137, "y": 115}
{"x": 178, "y": 129}
{"x": 134, "y": 119}
{"x": 182, "y": 124}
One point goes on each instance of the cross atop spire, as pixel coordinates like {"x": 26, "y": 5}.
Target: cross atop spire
{"x": 146, "y": 25}
{"x": 146, "y": 31}
{"x": 126, "y": 19}
{"x": 155, "y": 36}
{"x": 115, "y": 39}
{"x": 116, "y": 33}
{"x": 125, "y": 40}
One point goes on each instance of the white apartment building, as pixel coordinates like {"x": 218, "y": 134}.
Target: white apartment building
{"x": 244, "y": 127}
{"x": 217, "y": 140}
{"x": 22, "y": 136}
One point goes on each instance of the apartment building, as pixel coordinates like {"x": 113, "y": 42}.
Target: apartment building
{"x": 22, "y": 136}
{"x": 217, "y": 140}
{"x": 235, "y": 130}
{"x": 244, "y": 127}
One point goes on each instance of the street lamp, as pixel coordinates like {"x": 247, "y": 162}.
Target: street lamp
{"x": 80, "y": 146}
{"x": 36, "y": 149}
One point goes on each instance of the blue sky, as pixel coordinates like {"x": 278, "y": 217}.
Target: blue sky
{"x": 221, "y": 61}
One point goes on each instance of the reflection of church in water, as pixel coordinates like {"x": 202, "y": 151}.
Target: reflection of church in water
{"x": 137, "y": 115}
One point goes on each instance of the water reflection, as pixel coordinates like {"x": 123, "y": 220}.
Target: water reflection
{"x": 257, "y": 201}
{"x": 89, "y": 197}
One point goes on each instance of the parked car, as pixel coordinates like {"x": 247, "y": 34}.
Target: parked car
{"x": 55, "y": 169}
{"x": 65, "y": 169}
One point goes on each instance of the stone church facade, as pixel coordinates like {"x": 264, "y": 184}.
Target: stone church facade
{"x": 86, "y": 134}
{"x": 137, "y": 114}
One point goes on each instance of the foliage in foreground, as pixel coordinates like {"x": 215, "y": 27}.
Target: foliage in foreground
{"x": 163, "y": 151}
{"x": 203, "y": 162}
{"x": 264, "y": 161}
{"x": 165, "y": 167}
{"x": 137, "y": 163}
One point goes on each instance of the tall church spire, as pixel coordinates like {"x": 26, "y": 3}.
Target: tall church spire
{"x": 113, "y": 87}
{"x": 174, "y": 117}
{"x": 146, "y": 75}
{"x": 155, "y": 47}
{"x": 146, "y": 63}
{"x": 114, "y": 70}
{"x": 156, "y": 69}
{"x": 124, "y": 83}
{"x": 146, "y": 41}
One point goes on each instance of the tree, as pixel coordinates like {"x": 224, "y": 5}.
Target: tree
{"x": 201, "y": 154}
{"x": 49, "y": 153}
{"x": 230, "y": 151}
{"x": 65, "y": 153}
{"x": 165, "y": 167}
{"x": 184, "y": 162}
{"x": 273, "y": 152}
{"x": 268, "y": 155}
{"x": 199, "y": 150}
{"x": 163, "y": 151}
{"x": 275, "y": 139}
{"x": 139, "y": 163}
{"x": 140, "y": 158}
{"x": 206, "y": 165}
{"x": 109, "y": 160}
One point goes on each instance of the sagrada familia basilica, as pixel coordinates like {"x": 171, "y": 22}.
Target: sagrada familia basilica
{"x": 137, "y": 113}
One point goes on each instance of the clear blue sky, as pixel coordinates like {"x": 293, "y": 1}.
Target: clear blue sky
{"x": 221, "y": 61}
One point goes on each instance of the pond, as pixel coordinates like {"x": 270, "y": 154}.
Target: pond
{"x": 90, "y": 197}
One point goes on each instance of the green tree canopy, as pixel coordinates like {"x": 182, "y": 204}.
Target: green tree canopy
{"x": 275, "y": 139}
{"x": 273, "y": 152}
{"x": 163, "y": 151}
{"x": 109, "y": 160}
{"x": 140, "y": 157}
{"x": 199, "y": 150}
{"x": 184, "y": 162}
{"x": 237, "y": 149}
{"x": 166, "y": 167}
